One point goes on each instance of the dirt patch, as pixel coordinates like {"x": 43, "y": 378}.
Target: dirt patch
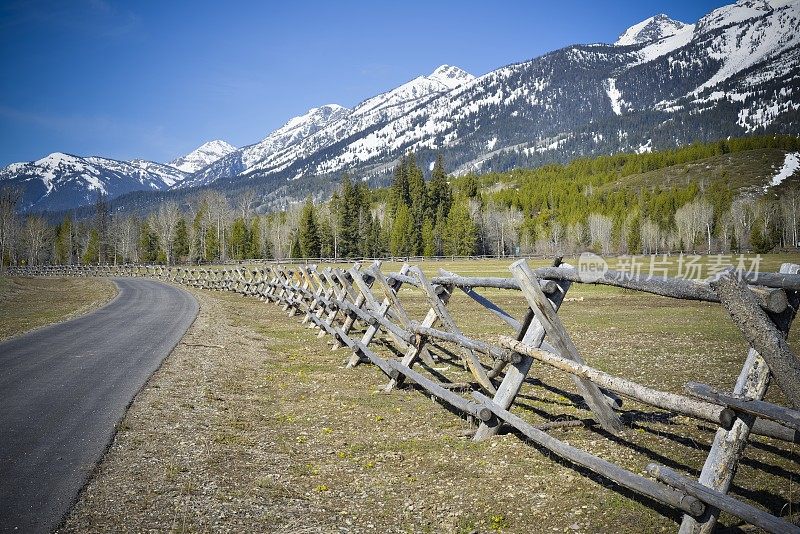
{"x": 254, "y": 424}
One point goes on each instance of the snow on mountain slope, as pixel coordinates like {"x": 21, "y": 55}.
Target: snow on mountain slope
{"x": 168, "y": 174}
{"x": 650, "y": 30}
{"x": 791, "y": 164}
{"x": 751, "y": 32}
{"x": 295, "y": 130}
{"x": 735, "y": 13}
{"x": 202, "y": 156}
{"x": 663, "y": 83}
{"x": 664, "y": 46}
{"x": 62, "y": 181}
{"x": 564, "y": 90}
{"x": 278, "y": 150}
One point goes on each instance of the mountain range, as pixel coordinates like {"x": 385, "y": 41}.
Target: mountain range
{"x": 663, "y": 83}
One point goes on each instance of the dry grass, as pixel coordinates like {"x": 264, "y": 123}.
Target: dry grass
{"x": 271, "y": 433}
{"x": 29, "y": 303}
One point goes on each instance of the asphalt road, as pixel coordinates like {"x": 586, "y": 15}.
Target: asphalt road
{"x": 64, "y": 388}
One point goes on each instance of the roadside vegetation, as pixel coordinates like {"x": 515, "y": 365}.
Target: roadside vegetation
{"x": 29, "y": 303}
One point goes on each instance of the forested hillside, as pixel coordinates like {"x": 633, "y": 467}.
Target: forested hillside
{"x": 731, "y": 195}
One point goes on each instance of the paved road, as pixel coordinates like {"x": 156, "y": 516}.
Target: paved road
{"x": 63, "y": 389}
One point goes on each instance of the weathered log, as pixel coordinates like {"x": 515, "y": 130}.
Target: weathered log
{"x": 751, "y": 514}
{"x": 678, "y": 288}
{"x": 532, "y": 332}
{"x": 466, "y": 342}
{"x": 782, "y": 280}
{"x": 485, "y": 302}
{"x": 558, "y": 335}
{"x": 623, "y": 477}
{"x": 378, "y": 311}
{"x": 659, "y": 399}
{"x": 759, "y": 408}
{"x": 760, "y": 332}
{"x": 358, "y": 302}
{"x": 419, "y": 350}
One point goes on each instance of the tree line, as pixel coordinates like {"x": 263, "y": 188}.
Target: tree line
{"x": 588, "y": 204}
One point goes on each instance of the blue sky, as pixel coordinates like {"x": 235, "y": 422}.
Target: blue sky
{"x": 156, "y": 79}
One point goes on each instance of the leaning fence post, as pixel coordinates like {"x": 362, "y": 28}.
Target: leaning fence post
{"x": 559, "y": 337}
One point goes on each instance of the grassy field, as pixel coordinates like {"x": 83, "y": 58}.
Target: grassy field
{"x": 28, "y": 303}
{"x": 253, "y": 424}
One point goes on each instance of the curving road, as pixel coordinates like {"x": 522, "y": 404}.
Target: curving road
{"x": 64, "y": 388}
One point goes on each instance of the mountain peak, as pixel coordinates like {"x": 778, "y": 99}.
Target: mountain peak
{"x": 203, "y": 156}
{"x": 450, "y": 76}
{"x": 56, "y": 158}
{"x": 650, "y": 30}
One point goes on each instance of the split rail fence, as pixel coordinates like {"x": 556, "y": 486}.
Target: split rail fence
{"x": 353, "y": 306}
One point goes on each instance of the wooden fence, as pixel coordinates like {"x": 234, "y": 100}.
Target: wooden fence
{"x": 354, "y": 305}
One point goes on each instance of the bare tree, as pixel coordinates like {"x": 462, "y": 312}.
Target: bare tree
{"x": 600, "y": 232}
{"x": 125, "y": 236}
{"x": 790, "y": 203}
{"x": 165, "y": 221}
{"x": 692, "y": 219}
{"x": 216, "y": 214}
{"x": 244, "y": 202}
{"x": 742, "y": 214}
{"x": 512, "y": 221}
{"x": 726, "y": 227}
{"x": 651, "y": 236}
{"x": 576, "y": 236}
{"x": 36, "y": 230}
{"x": 9, "y": 222}
{"x": 557, "y": 237}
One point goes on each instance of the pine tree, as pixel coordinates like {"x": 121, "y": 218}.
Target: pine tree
{"x": 238, "y": 240}
{"x": 148, "y": 243}
{"x": 254, "y": 244}
{"x": 326, "y": 239}
{"x": 180, "y": 245}
{"x": 296, "y": 248}
{"x": 309, "y": 232}
{"x": 63, "y": 244}
{"x": 92, "y": 252}
{"x": 399, "y": 193}
{"x": 440, "y": 196}
{"x": 349, "y": 219}
{"x": 461, "y": 233}
{"x": 428, "y": 241}
{"x": 212, "y": 244}
{"x": 419, "y": 201}
{"x": 401, "y": 242}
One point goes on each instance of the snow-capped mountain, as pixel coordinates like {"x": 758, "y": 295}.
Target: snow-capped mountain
{"x": 297, "y": 128}
{"x": 202, "y": 156}
{"x": 327, "y": 125}
{"x": 651, "y": 30}
{"x": 663, "y": 83}
{"x": 62, "y": 181}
